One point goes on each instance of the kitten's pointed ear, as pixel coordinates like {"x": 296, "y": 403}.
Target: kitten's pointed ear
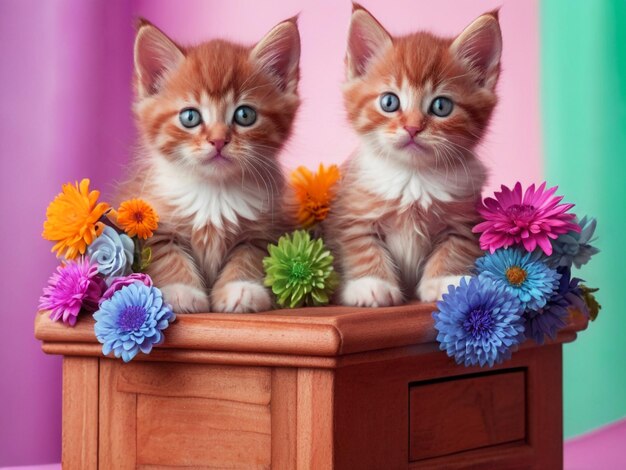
{"x": 480, "y": 47}
{"x": 366, "y": 39}
{"x": 155, "y": 56}
{"x": 279, "y": 53}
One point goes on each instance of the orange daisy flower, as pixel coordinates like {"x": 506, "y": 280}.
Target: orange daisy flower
{"x": 314, "y": 192}
{"x": 72, "y": 219}
{"x": 137, "y": 217}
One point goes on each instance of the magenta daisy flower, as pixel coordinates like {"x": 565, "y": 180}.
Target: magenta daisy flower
{"x": 531, "y": 219}
{"x": 74, "y": 287}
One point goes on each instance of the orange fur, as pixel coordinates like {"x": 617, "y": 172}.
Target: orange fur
{"x": 401, "y": 223}
{"x": 218, "y": 207}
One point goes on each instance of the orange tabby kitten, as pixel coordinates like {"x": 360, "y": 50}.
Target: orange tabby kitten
{"x": 212, "y": 119}
{"x": 402, "y": 220}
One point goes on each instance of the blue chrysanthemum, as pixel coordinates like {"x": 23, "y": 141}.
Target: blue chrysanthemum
{"x": 479, "y": 322}
{"x": 553, "y": 316}
{"x": 522, "y": 273}
{"x": 132, "y": 320}
{"x": 574, "y": 248}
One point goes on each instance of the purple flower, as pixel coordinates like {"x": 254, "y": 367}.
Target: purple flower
{"x": 479, "y": 322}
{"x": 132, "y": 320}
{"x": 554, "y": 315}
{"x": 74, "y": 287}
{"x": 117, "y": 283}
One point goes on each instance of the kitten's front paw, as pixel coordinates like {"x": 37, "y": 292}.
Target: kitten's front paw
{"x": 370, "y": 292}
{"x": 431, "y": 289}
{"x": 185, "y": 299}
{"x": 241, "y": 297}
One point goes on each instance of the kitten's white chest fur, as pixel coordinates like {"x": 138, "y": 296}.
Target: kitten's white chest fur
{"x": 393, "y": 181}
{"x": 411, "y": 195}
{"x": 207, "y": 201}
{"x": 408, "y": 249}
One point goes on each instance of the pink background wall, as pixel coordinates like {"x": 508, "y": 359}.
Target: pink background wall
{"x": 512, "y": 148}
{"x": 65, "y": 94}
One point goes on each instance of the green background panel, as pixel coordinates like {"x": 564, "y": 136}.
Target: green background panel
{"x": 583, "y": 60}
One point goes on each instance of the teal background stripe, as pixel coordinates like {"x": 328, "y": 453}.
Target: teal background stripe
{"x": 583, "y": 94}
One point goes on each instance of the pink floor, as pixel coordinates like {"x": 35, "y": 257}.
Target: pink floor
{"x": 52, "y": 466}
{"x": 603, "y": 449}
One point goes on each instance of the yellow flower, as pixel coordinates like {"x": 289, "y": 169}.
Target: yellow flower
{"x": 314, "y": 192}
{"x": 72, "y": 219}
{"x": 137, "y": 217}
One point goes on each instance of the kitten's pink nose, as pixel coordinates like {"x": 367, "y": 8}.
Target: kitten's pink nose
{"x": 219, "y": 144}
{"x": 413, "y": 130}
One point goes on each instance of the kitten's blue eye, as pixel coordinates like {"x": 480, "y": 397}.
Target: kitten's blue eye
{"x": 245, "y": 116}
{"x": 441, "y": 106}
{"x": 389, "y": 102}
{"x": 190, "y": 117}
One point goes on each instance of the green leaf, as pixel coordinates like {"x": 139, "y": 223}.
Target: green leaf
{"x": 146, "y": 258}
{"x": 590, "y": 300}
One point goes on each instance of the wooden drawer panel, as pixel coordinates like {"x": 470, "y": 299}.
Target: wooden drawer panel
{"x": 173, "y": 415}
{"x": 465, "y": 413}
{"x": 245, "y": 384}
{"x": 183, "y": 432}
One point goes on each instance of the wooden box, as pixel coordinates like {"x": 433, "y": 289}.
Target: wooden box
{"x": 324, "y": 388}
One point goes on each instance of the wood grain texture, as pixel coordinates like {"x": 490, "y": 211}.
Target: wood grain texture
{"x": 512, "y": 456}
{"x": 197, "y": 356}
{"x": 328, "y": 389}
{"x": 283, "y": 408}
{"x": 315, "y": 411}
{"x": 118, "y": 421}
{"x": 451, "y": 416}
{"x": 316, "y": 332}
{"x": 80, "y": 413}
{"x": 545, "y": 416}
{"x": 182, "y": 432}
{"x": 184, "y": 415}
{"x": 242, "y": 384}
{"x": 371, "y": 416}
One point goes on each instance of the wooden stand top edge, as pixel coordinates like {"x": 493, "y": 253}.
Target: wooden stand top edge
{"x": 317, "y": 331}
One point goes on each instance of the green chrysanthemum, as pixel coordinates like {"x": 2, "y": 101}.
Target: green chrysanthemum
{"x": 300, "y": 271}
